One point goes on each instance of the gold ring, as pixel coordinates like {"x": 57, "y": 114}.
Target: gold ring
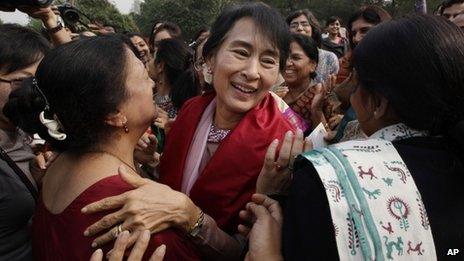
{"x": 279, "y": 168}
{"x": 117, "y": 230}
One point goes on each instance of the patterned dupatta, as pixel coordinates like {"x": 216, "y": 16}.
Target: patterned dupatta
{"x": 376, "y": 208}
{"x": 296, "y": 120}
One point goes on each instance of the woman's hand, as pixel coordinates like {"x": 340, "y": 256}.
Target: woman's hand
{"x": 162, "y": 119}
{"x": 264, "y": 237}
{"x": 137, "y": 252}
{"x": 318, "y": 99}
{"x": 335, "y": 120}
{"x": 330, "y": 136}
{"x": 145, "y": 150}
{"x": 150, "y": 205}
{"x": 39, "y": 165}
{"x": 50, "y": 21}
{"x": 275, "y": 175}
{"x": 43, "y": 13}
{"x": 321, "y": 91}
{"x": 281, "y": 90}
{"x": 330, "y": 83}
{"x": 168, "y": 125}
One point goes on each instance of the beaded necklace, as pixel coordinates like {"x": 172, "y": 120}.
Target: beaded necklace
{"x": 216, "y": 135}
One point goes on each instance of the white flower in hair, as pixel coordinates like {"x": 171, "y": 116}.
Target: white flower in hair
{"x": 53, "y": 126}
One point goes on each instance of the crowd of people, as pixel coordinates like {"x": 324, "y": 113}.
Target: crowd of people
{"x": 124, "y": 146}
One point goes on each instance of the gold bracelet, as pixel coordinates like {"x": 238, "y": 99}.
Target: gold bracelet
{"x": 195, "y": 229}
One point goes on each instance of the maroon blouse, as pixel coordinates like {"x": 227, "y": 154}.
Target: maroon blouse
{"x": 61, "y": 236}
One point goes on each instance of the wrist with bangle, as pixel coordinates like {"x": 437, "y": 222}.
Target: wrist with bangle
{"x": 52, "y": 24}
{"x": 195, "y": 229}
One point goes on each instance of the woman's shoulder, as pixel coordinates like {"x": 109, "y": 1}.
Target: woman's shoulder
{"x": 102, "y": 188}
{"x": 50, "y": 228}
{"x": 107, "y": 186}
{"x": 324, "y": 54}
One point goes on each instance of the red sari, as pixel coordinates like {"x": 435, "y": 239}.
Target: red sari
{"x": 229, "y": 179}
{"x": 61, "y": 236}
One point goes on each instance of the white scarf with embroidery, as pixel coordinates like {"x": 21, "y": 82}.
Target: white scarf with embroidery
{"x": 376, "y": 208}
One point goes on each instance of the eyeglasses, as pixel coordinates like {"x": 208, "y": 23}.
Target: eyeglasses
{"x": 15, "y": 83}
{"x": 295, "y": 25}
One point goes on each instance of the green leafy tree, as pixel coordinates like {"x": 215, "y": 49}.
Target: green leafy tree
{"x": 188, "y": 14}
{"x": 106, "y": 13}
{"x": 35, "y": 24}
{"x": 191, "y": 14}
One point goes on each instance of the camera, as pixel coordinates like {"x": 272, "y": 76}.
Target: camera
{"x": 69, "y": 13}
{"x": 16, "y": 3}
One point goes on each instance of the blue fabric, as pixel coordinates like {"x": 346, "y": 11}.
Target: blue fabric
{"x": 350, "y": 115}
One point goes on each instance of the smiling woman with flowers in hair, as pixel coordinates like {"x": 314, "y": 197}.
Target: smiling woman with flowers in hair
{"x": 92, "y": 100}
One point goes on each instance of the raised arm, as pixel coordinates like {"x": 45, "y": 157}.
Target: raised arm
{"x": 55, "y": 29}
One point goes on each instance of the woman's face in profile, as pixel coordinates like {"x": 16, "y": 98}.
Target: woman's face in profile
{"x": 244, "y": 67}
{"x": 138, "y": 107}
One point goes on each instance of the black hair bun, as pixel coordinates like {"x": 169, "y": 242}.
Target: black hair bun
{"x": 23, "y": 107}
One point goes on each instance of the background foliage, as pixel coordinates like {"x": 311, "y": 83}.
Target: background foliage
{"x": 107, "y": 14}
{"x": 191, "y": 14}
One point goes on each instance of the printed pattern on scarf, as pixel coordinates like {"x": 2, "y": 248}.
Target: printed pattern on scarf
{"x": 375, "y": 205}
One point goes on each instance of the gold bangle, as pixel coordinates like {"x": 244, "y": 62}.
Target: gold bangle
{"x": 195, "y": 229}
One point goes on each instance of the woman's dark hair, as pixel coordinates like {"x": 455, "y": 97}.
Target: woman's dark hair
{"x": 316, "y": 32}
{"x": 20, "y": 47}
{"x": 151, "y": 39}
{"x": 201, "y": 30}
{"x": 83, "y": 81}
{"x": 179, "y": 69}
{"x": 268, "y": 21}
{"x": 126, "y": 38}
{"x": 172, "y": 28}
{"x": 309, "y": 47}
{"x": 309, "y": 15}
{"x": 332, "y": 20}
{"x": 370, "y": 13}
{"x": 421, "y": 73}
